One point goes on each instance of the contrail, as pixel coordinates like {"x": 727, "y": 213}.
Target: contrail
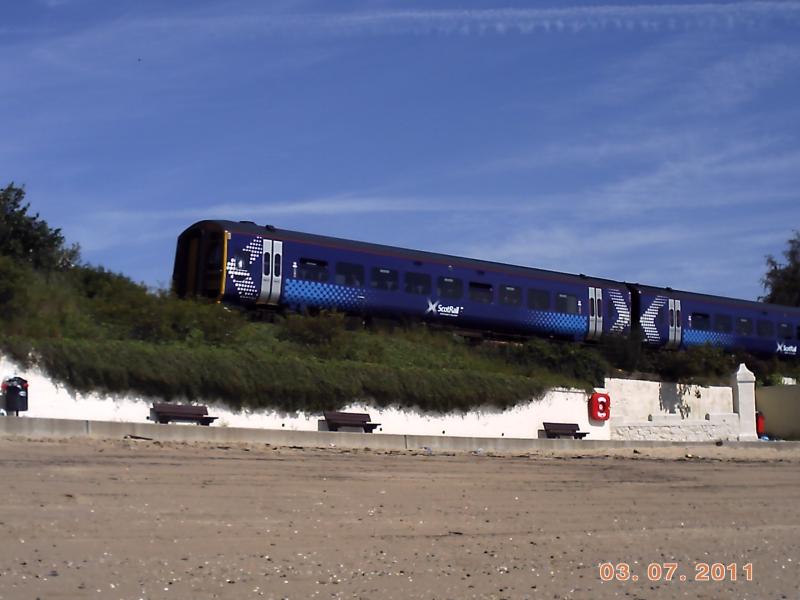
{"x": 570, "y": 19}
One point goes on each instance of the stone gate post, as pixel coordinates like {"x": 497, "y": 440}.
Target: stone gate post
{"x": 744, "y": 402}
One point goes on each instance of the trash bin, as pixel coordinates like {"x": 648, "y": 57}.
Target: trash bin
{"x": 15, "y": 394}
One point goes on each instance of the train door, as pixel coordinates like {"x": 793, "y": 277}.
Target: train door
{"x": 675, "y": 327}
{"x": 271, "y": 272}
{"x": 191, "y": 267}
{"x": 595, "y": 313}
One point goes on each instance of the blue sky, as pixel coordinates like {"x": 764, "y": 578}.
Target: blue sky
{"x": 648, "y": 142}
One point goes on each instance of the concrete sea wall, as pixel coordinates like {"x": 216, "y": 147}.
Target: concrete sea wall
{"x": 640, "y": 410}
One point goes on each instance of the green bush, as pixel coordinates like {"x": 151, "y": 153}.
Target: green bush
{"x": 97, "y": 330}
{"x": 573, "y": 361}
{"x": 255, "y": 378}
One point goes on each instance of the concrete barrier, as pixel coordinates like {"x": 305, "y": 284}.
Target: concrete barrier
{"x": 43, "y": 428}
{"x": 68, "y": 428}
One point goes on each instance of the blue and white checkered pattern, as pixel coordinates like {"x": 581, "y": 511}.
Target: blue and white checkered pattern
{"x": 322, "y": 295}
{"x": 697, "y": 337}
{"x": 558, "y": 323}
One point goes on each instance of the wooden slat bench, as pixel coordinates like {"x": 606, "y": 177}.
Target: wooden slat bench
{"x": 557, "y": 430}
{"x": 336, "y": 419}
{"x": 165, "y": 413}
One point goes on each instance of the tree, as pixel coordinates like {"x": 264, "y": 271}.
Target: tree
{"x": 28, "y": 237}
{"x": 782, "y": 281}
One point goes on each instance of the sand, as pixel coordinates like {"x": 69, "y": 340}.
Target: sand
{"x": 143, "y": 519}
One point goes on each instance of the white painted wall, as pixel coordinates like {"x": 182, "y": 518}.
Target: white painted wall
{"x": 635, "y": 400}
{"x": 652, "y": 410}
{"x": 639, "y": 410}
{"x": 524, "y": 421}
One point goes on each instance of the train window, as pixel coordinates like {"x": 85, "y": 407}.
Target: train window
{"x": 510, "y": 294}
{"x": 567, "y": 303}
{"x": 723, "y": 323}
{"x": 784, "y": 331}
{"x": 449, "y": 287}
{"x": 418, "y": 283}
{"x": 349, "y": 274}
{"x": 744, "y": 326}
{"x": 765, "y": 328}
{"x": 384, "y": 279}
{"x": 267, "y": 263}
{"x": 539, "y": 299}
{"x": 481, "y": 292}
{"x": 701, "y": 321}
{"x": 277, "y": 265}
{"x": 312, "y": 269}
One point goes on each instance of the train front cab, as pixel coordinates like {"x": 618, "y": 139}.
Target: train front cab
{"x": 214, "y": 262}
{"x": 199, "y": 267}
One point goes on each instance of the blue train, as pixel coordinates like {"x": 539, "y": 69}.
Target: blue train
{"x": 260, "y": 266}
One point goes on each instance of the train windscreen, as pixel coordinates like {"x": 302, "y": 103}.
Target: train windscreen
{"x": 199, "y": 264}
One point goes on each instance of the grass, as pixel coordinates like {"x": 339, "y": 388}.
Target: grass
{"x": 98, "y": 331}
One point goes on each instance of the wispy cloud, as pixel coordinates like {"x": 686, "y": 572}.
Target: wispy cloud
{"x": 591, "y": 151}
{"x": 693, "y": 77}
{"x": 645, "y": 17}
{"x": 735, "y": 80}
{"x": 679, "y": 252}
{"x": 566, "y": 19}
{"x": 352, "y": 204}
{"x": 637, "y": 17}
{"x": 628, "y": 159}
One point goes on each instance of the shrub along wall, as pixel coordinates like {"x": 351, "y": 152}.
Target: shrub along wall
{"x": 96, "y": 330}
{"x": 255, "y": 378}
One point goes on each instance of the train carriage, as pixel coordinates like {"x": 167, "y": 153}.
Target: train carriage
{"x": 261, "y": 266}
{"x": 672, "y": 318}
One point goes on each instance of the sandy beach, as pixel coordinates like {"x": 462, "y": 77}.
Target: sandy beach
{"x": 142, "y": 519}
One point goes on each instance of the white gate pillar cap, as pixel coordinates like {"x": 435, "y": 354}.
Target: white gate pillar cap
{"x": 744, "y": 375}
{"x": 744, "y": 402}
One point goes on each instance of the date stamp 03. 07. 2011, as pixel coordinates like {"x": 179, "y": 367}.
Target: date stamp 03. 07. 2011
{"x": 671, "y": 571}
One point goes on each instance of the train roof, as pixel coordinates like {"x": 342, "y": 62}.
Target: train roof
{"x": 420, "y": 255}
{"x": 267, "y": 230}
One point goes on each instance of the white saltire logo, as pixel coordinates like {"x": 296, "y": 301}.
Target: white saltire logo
{"x": 437, "y": 308}
{"x": 648, "y": 320}
{"x": 623, "y": 312}
{"x": 786, "y": 349}
{"x": 238, "y": 268}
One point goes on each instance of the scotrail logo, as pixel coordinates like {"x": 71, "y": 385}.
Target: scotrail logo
{"x": 786, "y": 349}
{"x": 437, "y": 308}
